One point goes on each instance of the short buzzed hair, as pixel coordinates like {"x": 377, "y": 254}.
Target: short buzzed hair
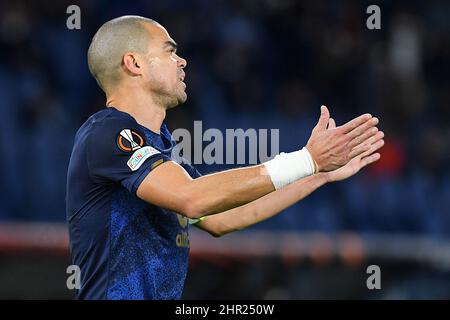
{"x": 111, "y": 42}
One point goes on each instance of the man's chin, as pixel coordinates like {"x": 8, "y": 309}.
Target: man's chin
{"x": 182, "y": 97}
{"x": 179, "y": 100}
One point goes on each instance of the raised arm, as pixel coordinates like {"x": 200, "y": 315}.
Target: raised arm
{"x": 275, "y": 202}
{"x": 169, "y": 186}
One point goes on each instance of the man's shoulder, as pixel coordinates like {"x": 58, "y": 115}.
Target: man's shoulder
{"x": 105, "y": 121}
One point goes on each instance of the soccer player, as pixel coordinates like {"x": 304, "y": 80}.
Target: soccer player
{"x": 129, "y": 205}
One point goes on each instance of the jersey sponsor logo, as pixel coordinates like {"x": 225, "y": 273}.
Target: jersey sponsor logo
{"x": 138, "y": 158}
{"x": 182, "y": 240}
{"x": 129, "y": 140}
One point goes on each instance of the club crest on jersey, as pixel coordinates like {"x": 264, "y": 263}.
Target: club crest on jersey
{"x": 129, "y": 140}
{"x": 139, "y": 156}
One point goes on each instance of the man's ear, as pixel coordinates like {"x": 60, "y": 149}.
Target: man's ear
{"x": 131, "y": 64}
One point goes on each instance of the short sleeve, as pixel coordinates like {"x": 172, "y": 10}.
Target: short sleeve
{"x": 190, "y": 169}
{"x": 118, "y": 151}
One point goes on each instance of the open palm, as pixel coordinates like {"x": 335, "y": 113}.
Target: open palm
{"x": 359, "y": 162}
{"x": 352, "y": 167}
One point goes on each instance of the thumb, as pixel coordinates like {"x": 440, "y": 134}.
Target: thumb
{"x": 331, "y": 124}
{"x": 324, "y": 118}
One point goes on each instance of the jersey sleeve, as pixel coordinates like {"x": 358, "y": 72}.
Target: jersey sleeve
{"x": 190, "y": 169}
{"x": 118, "y": 151}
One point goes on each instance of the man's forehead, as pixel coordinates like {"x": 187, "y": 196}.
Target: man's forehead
{"x": 158, "y": 33}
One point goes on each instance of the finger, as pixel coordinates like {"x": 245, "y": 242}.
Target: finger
{"x": 331, "y": 124}
{"x": 359, "y": 150}
{"x": 361, "y": 139}
{"x": 375, "y": 138}
{"x": 364, "y": 138}
{"x": 374, "y": 147}
{"x": 349, "y": 126}
{"x": 324, "y": 118}
{"x": 370, "y": 159}
{"x": 362, "y": 128}
{"x": 366, "y": 145}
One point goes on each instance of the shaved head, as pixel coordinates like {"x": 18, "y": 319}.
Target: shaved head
{"x": 115, "y": 38}
{"x": 134, "y": 58}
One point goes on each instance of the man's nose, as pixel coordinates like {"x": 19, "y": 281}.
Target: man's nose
{"x": 182, "y": 63}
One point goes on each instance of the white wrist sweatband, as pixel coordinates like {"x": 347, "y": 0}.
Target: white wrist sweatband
{"x": 286, "y": 168}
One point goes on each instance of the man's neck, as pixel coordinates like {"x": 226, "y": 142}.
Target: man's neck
{"x": 141, "y": 107}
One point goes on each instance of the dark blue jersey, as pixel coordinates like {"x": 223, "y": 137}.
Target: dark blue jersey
{"x": 126, "y": 248}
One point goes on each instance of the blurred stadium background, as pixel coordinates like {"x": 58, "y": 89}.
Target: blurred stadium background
{"x": 251, "y": 64}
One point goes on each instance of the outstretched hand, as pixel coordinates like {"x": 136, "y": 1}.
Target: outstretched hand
{"x": 357, "y": 163}
{"x": 332, "y": 147}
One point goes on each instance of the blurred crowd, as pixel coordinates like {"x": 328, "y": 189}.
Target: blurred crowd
{"x": 251, "y": 64}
